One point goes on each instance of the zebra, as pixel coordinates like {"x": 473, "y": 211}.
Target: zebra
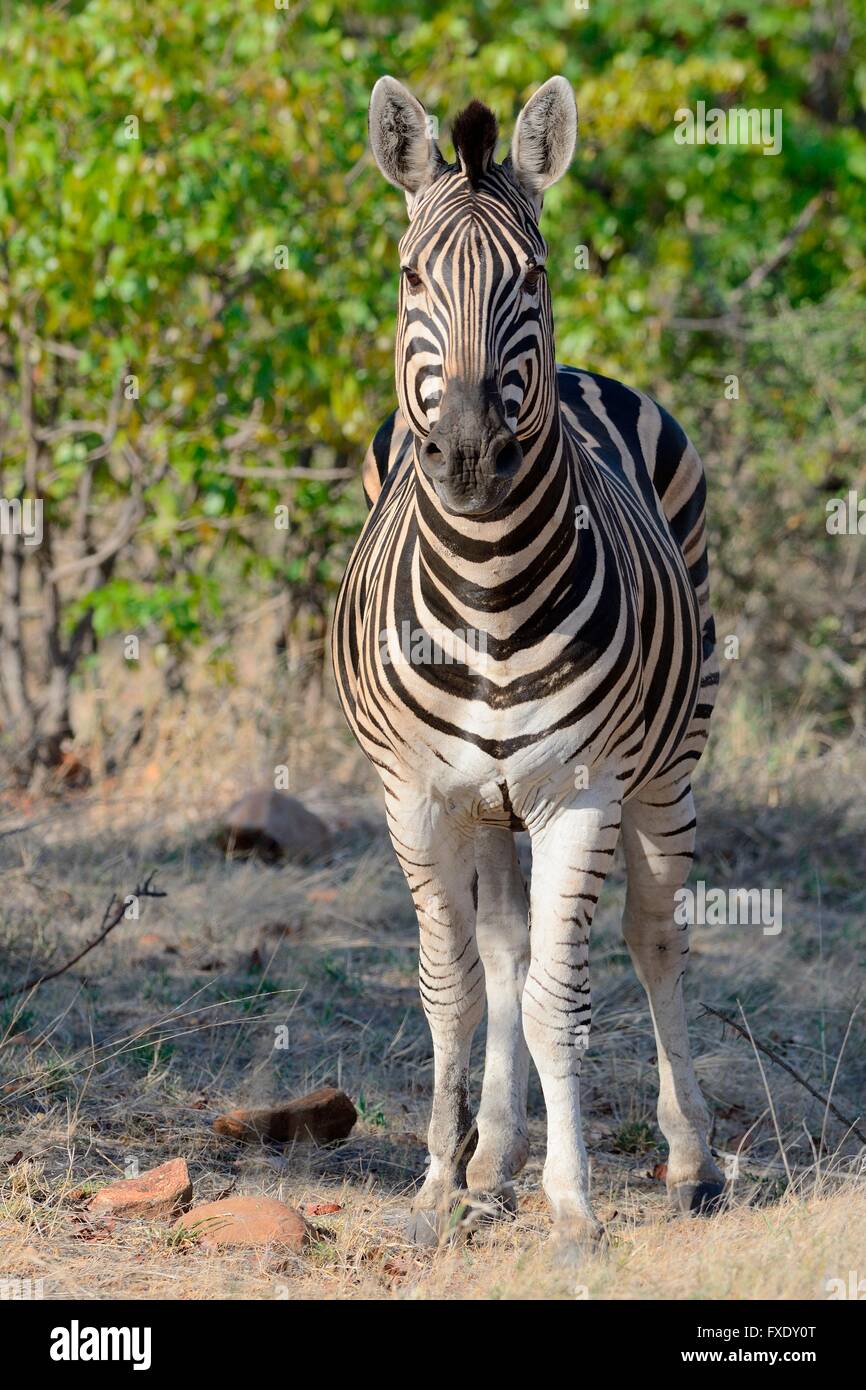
{"x": 559, "y": 516}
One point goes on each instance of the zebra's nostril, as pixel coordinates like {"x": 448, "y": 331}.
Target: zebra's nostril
{"x": 508, "y": 459}
{"x": 433, "y": 458}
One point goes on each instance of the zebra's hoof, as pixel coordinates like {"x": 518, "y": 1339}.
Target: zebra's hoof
{"x": 575, "y": 1240}
{"x": 480, "y": 1209}
{"x": 466, "y": 1213}
{"x": 702, "y": 1198}
{"x": 424, "y": 1227}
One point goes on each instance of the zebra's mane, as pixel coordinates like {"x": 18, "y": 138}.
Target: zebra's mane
{"x": 474, "y": 135}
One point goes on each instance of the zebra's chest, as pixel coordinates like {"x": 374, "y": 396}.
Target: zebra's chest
{"x": 498, "y": 728}
{"x": 498, "y": 703}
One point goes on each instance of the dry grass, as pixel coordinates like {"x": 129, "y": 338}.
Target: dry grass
{"x": 131, "y": 1055}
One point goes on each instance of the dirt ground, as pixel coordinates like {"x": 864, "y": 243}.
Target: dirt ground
{"x": 128, "y": 1057}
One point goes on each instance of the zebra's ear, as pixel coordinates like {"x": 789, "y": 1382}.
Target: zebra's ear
{"x": 401, "y": 137}
{"x": 544, "y": 137}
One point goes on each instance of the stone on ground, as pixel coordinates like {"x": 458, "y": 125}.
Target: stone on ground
{"x": 273, "y": 824}
{"x": 322, "y": 1117}
{"x": 160, "y": 1191}
{"x": 251, "y": 1222}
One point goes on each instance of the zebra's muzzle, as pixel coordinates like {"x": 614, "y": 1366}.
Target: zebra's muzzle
{"x": 471, "y": 455}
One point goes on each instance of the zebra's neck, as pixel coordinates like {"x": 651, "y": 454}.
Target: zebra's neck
{"x": 503, "y": 572}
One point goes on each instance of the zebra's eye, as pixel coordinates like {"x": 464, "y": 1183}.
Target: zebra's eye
{"x": 413, "y": 279}
{"x": 532, "y": 278}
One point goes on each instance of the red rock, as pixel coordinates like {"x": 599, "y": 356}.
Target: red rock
{"x": 322, "y": 1117}
{"x": 273, "y": 824}
{"x": 159, "y": 1192}
{"x": 741, "y": 1143}
{"x": 151, "y": 941}
{"x": 72, "y": 772}
{"x": 253, "y": 1222}
{"x": 279, "y": 929}
{"x": 659, "y": 1172}
{"x": 322, "y": 1208}
{"x": 102, "y": 1228}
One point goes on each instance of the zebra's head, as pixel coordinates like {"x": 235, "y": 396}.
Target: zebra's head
{"x": 475, "y": 359}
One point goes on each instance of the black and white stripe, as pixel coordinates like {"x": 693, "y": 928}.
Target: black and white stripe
{"x": 560, "y": 676}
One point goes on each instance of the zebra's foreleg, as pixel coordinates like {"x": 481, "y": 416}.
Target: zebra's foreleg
{"x": 659, "y": 837}
{"x": 438, "y": 859}
{"x": 570, "y": 857}
{"x": 503, "y": 940}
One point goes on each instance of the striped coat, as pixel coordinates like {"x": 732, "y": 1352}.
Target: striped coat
{"x": 523, "y": 641}
{"x": 640, "y": 481}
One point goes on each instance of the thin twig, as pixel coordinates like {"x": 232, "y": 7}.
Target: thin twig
{"x": 111, "y": 918}
{"x": 836, "y": 1073}
{"x": 792, "y": 1071}
{"x": 101, "y": 1055}
{"x": 298, "y": 475}
{"x": 784, "y": 249}
{"x": 730, "y": 321}
{"x": 768, "y": 1094}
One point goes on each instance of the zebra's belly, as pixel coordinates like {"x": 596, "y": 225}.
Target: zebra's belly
{"x": 513, "y": 768}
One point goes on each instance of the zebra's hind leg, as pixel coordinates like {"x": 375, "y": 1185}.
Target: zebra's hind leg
{"x": 502, "y": 932}
{"x": 659, "y": 837}
{"x": 438, "y": 859}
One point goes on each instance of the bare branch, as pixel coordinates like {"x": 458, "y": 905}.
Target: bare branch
{"x": 69, "y": 428}
{"x": 786, "y": 1066}
{"x": 111, "y": 918}
{"x": 13, "y": 677}
{"x": 729, "y": 322}
{"x": 123, "y": 532}
{"x": 782, "y": 251}
{"x": 298, "y": 475}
